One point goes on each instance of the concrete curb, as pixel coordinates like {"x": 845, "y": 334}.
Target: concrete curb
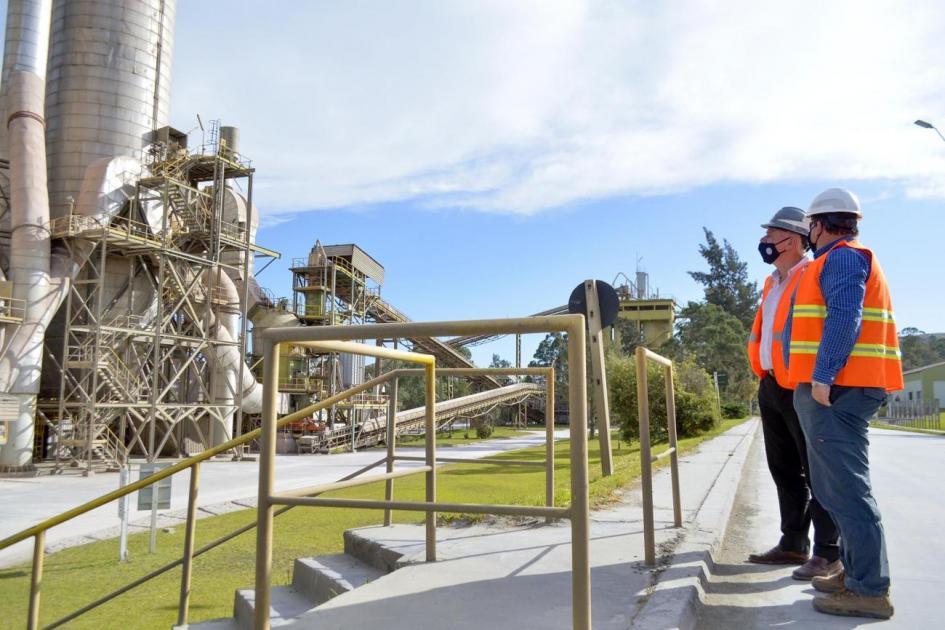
{"x": 674, "y": 599}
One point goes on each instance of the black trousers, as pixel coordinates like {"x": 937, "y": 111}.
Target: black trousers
{"x": 787, "y": 461}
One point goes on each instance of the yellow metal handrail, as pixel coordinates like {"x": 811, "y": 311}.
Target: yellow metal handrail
{"x": 38, "y": 532}
{"x": 12, "y": 309}
{"x": 646, "y": 459}
{"x": 341, "y": 339}
{"x": 577, "y": 511}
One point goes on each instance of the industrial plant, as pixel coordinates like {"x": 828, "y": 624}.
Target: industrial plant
{"x": 128, "y": 297}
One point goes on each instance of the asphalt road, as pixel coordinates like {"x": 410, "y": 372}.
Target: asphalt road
{"x": 907, "y": 475}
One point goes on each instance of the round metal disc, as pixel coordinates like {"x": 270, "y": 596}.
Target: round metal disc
{"x": 606, "y": 297}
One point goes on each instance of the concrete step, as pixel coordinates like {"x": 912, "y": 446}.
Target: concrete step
{"x": 372, "y": 552}
{"x": 285, "y": 604}
{"x": 323, "y": 577}
{"x": 314, "y": 581}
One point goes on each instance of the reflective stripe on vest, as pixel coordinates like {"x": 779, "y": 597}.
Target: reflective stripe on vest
{"x": 859, "y": 349}
{"x": 869, "y": 314}
{"x": 875, "y": 360}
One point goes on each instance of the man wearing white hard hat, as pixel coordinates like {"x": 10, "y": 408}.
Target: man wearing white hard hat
{"x": 783, "y": 246}
{"x": 844, "y": 357}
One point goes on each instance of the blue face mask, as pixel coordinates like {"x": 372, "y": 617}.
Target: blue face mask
{"x": 769, "y": 251}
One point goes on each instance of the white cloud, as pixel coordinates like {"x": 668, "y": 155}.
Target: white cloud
{"x": 522, "y": 106}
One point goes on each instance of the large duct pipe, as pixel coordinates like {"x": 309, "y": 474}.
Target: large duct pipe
{"x": 26, "y": 48}
{"x": 30, "y": 253}
{"x": 227, "y": 357}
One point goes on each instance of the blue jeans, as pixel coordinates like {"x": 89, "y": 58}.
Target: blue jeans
{"x": 838, "y": 452}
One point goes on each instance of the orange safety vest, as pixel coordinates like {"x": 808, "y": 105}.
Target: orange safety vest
{"x": 780, "y": 318}
{"x": 875, "y": 360}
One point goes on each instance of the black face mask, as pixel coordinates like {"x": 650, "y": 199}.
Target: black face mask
{"x": 769, "y": 251}
{"x": 811, "y": 245}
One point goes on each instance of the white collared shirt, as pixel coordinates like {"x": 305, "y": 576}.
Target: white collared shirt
{"x": 769, "y": 310}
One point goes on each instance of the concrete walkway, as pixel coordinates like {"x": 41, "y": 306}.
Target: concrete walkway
{"x": 224, "y": 486}
{"x": 519, "y": 577}
{"x": 907, "y": 480}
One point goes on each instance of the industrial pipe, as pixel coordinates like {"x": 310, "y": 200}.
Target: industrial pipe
{"x": 27, "y": 43}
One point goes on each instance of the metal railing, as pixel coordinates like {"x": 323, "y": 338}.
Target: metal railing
{"x": 646, "y": 458}
{"x": 916, "y": 414}
{"x": 341, "y": 339}
{"x": 577, "y": 511}
{"x": 38, "y": 532}
{"x": 12, "y": 309}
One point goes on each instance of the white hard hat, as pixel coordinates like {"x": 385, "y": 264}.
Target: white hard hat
{"x": 835, "y": 200}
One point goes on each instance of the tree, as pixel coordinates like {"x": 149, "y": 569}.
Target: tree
{"x": 919, "y": 349}
{"x": 726, "y": 283}
{"x": 499, "y": 362}
{"x": 716, "y": 340}
{"x": 630, "y": 335}
{"x": 553, "y": 351}
{"x": 696, "y": 406}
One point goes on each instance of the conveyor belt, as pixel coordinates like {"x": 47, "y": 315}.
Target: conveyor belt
{"x": 373, "y": 430}
{"x": 474, "y": 340}
{"x": 446, "y": 356}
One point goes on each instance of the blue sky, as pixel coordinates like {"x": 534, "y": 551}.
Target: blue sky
{"x": 466, "y": 264}
{"x": 492, "y": 154}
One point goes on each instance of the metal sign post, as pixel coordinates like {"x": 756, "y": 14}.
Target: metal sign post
{"x": 123, "y": 515}
{"x": 154, "y": 497}
{"x": 718, "y": 392}
{"x": 599, "y": 303}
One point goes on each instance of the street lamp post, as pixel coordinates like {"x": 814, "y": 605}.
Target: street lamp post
{"x": 928, "y": 125}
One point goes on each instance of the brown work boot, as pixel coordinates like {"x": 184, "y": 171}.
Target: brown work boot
{"x": 849, "y": 604}
{"x": 776, "y": 555}
{"x": 817, "y": 567}
{"x": 831, "y": 583}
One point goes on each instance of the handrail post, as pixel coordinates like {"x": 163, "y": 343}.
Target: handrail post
{"x": 184, "y": 603}
{"x": 267, "y": 456}
{"x": 36, "y": 580}
{"x": 391, "y": 444}
{"x": 431, "y": 459}
{"x": 674, "y": 456}
{"x": 580, "y": 515}
{"x": 599, "y": 377}
{"x": 550, "y": 439}
{"x": 646, "y": 462}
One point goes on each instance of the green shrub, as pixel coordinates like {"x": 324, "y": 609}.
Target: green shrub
{"x": 733, "y": 410}
{"x": 484, "y": 431}
{"x": 696, "y": 407}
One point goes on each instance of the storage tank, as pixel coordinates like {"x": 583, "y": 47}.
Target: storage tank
{"x": 108, "y": 85}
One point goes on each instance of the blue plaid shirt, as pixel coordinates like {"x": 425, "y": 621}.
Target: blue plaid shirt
{"x": 843, "y": 284}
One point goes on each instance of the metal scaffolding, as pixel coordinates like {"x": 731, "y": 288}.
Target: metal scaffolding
{"x": 335, "y": 285}
{"x": 141, "y": 339}
{"x": 341, "y": 285}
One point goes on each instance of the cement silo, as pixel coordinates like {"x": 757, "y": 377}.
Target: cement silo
{"x": 108, "y": 85}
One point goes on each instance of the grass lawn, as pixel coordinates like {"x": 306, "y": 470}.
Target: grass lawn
{"x": 74, "y": 577}
{"x": 879, "y": 424}
{"x": 464, "y": 436}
